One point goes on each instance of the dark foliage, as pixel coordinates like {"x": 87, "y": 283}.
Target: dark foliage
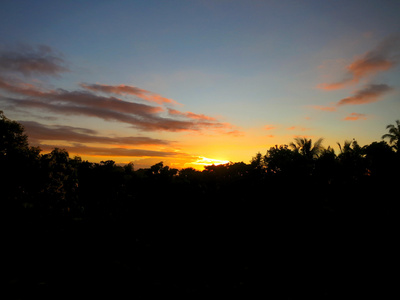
{"x": 293, "y": 223}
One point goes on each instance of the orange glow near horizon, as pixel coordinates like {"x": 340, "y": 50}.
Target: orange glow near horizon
{"x": 204, "y": 161}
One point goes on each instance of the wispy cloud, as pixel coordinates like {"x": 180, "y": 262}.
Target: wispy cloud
{"x": 190, "y": 115}
{"x": 86, "y": 103}
{"x": 324, "y": 108}
{"x": 29, "y": 61}
{"x": 128, "y": 90}
{"x": 355, "y": 117}
{"x": 38, "y": 132}
{"x": 140, "y": 119}
{"x": 297, "y": 128}
{"x": 81, "y": 149}
{"x": 384, "y": 57}
{"x": 23, "y": 89}
{"x": 370, "y": 93}
{"x": 269, "y": 127}
{"x": 76, "y": 98}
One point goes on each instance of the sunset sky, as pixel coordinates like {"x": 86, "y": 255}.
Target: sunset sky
{"x": 198, "y": 82}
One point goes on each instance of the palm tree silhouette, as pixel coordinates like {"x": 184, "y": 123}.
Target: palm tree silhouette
{"x": 393, "y": 135}
{"x": 305, "y": 147}
{"x": 349, "y": 147}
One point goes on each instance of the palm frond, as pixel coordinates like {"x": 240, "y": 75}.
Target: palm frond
{"x": 340, "y": 146}
{"x": 318, "y": 143}
{"x": 394, "y": 133}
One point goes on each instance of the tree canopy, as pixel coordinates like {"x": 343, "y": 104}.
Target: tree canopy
{"x": 294, "y": 208}
{"x": 393, "y": 135}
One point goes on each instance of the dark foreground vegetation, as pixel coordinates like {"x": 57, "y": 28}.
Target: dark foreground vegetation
{"x": 300, "y": 222}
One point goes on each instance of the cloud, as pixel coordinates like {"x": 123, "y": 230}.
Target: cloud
{"x": 269, "y": 127}
{"x": 323, "y": 108}
{"x": 333, "y": 86}
{"x": 38, "y": 132}
{"x": 384, "y": 57}
{"x": 128, "y": 90}
{"x": 18, "y": 87}
{"x": 297, "y": 128}
{"x": 91, "y": 100}
{"x": 78, "y": 98}
{"x": 355, "y": 117}
{"x": 141, "y": 116}
{"x": 32, "y": 61}
{"x": 138, "y": 119}
{"x": 370, "y": 93}
{"x": 190, "y": 115}
{"x": 233, "y": 132}
{"x": 112, "y": 152}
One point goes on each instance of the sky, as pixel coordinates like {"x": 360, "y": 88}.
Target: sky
{"x": 197, "y": 82}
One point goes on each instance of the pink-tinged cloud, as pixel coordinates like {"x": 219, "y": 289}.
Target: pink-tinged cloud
{"x": 144, "y": 122}
{"x": 370, "y": 93}
{"x": 141, "y": 116}
{"x": 190, "y": 115}
{"x": 94, "y": 101}
{"x": 78, "y": 98}
{"x": 333, "y": 86}
{"x": 355, "y": 117}
{"x": 297, "y": 128}
{"x": 232, "y": 132}
{"x": 324, "y": 108}
{"x": 39, "y": 132}
{"x": 32, "y": 61}
{"x": 369, "y": 65}
{"x": 269, "y": 127}
{"x": 384, "y": 57}
{"x": 128, "y": 90}
{"x": 359, "y": 69}
{"x": 16, "y": 87}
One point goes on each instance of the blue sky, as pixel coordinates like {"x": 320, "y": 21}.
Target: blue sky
{"x": 251, "y": 74}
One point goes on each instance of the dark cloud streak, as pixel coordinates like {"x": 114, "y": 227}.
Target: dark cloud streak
{"x": 18, "y": 95}
{"x": 32, "y": 61}
{"x": 128, "y": 90}
{"x": 39, "y": 132}
{"x": 370, "y": 93}
{"x": 383, "y": 58}
{"x": 141, "y": 116}
{"x": 112, "y": 152}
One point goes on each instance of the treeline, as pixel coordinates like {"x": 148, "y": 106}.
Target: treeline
{"x": 232, "y": 228}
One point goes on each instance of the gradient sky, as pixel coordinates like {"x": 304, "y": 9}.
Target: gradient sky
{"x": 196, "y": 82}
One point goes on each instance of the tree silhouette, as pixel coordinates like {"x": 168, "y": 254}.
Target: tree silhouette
{"x": 393, "y": 135}
{"x": 326, "y": 165}
{"x": 380, "y": 159}
{"x": 281, "y": 159}
{"x": 257, "y": 161}
{"x": 187, "y": 228}
{"x": 13, "y": 140}
{"x": 18, "y": 161}
{"x": 346, "y": 146}
{"x": 352, "y": 160}
{"x": 59, "y": 179}
{"x": 305, "y": 147}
